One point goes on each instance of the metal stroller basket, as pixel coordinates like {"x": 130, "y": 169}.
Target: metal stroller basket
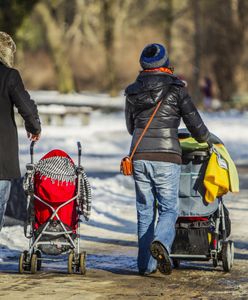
{"x": 202, "y": 228}
{"x": 54, "y": 237}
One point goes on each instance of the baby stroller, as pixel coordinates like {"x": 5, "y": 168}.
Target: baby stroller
{"x": 202, "y": 228}
{"x": 58, "y": 192}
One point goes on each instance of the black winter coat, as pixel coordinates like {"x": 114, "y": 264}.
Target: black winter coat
{"x": 162, "y": 135}
{"x": 12, "y": 93}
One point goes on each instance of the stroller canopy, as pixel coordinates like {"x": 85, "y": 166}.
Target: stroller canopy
{"x": 58, "y": 166}
{"x": 55, "y": 183}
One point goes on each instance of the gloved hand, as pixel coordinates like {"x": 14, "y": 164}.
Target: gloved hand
{"x": 210, "y": 144}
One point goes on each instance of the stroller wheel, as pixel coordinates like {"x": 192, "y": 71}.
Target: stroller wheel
{"x": 82, "y": 263}
{"x": 226, "y": 256}
{"x": 34, "y": 263}
{"x": 23, "y": 262}
{"x": 176, "y": 262}
{"x": 232, "y": 252}
{"x": 38, "y": 253}
{"x": 71, "y": 262}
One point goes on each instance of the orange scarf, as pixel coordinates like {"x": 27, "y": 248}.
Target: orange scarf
{"x": 162, "y": 69}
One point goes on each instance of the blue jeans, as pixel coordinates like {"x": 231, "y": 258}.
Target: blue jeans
{"x": 5, "y": 186}
{"x": 156, "y": 185}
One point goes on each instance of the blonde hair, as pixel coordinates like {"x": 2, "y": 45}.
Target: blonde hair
{"x": 7, "y": 49}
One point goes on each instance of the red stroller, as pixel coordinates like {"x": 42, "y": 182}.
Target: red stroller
{"x": 58, "y": 192}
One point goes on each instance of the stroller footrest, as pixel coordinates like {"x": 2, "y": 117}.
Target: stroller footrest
{"x": 56, "y": 233}
{"x": 189, "y": 257}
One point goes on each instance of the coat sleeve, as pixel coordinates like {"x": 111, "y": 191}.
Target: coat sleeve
{"x": 25, "y": 105}
{"x": 192, "y": 118}
{"x": 129, "y": 118}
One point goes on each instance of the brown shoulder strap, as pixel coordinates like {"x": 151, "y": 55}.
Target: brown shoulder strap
{"x": 145, "y": 129}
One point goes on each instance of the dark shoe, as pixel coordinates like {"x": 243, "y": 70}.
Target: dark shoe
{"x": 159, "y": 252}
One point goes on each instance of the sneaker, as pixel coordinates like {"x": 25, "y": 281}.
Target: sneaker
{"x": 159, "y": 252}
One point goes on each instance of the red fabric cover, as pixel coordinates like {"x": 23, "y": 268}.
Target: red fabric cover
{"x": 192, "y": 219}
{"x": 55, "y": 193}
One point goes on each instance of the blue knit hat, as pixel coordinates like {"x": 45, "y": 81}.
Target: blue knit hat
{"x": 154, "y": 56}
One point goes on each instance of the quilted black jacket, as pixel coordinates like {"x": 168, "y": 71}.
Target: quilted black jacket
{"x": 162, "y": 135}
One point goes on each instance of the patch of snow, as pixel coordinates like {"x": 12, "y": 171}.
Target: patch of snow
{"x": 105, "y": 141}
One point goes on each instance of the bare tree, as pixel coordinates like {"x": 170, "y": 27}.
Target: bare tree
{"x": 168, "y": 23}
{"x": 108, "y": 10}
{"x": 53, "y": 19}
{"x": 197, "y": 48}
{"x": 120, "y": 17}
{"x": 224, "y": 24}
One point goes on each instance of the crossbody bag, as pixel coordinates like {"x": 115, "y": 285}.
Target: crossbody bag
{"x": 126, "y": 167}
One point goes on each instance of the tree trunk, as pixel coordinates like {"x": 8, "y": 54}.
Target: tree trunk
{"x": 224, "y": 36}
{"x": 57, "y": 44}
{"x": 197, "y": 50}
{"x": 168, "y": 24}
{"x": 109, "y": 45}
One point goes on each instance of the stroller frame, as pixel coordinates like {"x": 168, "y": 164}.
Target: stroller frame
{"x": 30, "y": 260}
{"x": 220, "y": 249}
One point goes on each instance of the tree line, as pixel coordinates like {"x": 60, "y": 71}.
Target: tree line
{"x": 106, "y": 37}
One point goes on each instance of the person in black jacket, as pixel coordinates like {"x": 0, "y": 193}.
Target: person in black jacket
{"x": 157, "y": 159}
{"x": 12, "y": 93}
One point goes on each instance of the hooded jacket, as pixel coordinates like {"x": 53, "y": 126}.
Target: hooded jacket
{"x": 162, "y": 134}
{"x": 13, "y": 93}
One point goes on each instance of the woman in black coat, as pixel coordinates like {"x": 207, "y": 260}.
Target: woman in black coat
{"x": 157, "y": 159}
{"x": 12, "y": 93}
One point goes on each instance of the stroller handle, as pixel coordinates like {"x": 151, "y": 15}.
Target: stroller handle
{"x": 79, "y": 153}
{"x": 32, "y": 151}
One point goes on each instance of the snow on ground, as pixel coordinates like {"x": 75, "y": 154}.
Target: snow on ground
{"x": 78, "y": 99}
{"x": 104, "y": 142}
{"x": 105, "y": 139}
{"x": 230, "y": 127}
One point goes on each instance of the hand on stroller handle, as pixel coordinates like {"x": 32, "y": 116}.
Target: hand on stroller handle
{"x": 33, "y": 137}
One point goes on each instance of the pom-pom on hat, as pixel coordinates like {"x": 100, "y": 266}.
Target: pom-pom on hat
{"x": 154, "y": 56}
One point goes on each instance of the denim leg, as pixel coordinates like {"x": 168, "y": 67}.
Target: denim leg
{"x": 146, "y": 214}
{"x": 166, "y": 178}
{"x": 4, "y": 197}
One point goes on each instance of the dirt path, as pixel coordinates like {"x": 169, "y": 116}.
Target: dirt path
{"x": 112, "y": 270}
{"x": 186, "y": 283}
{"x": 190, "y": 281}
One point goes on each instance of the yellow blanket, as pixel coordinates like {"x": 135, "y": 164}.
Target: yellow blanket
{"x": 221, "y": 174}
